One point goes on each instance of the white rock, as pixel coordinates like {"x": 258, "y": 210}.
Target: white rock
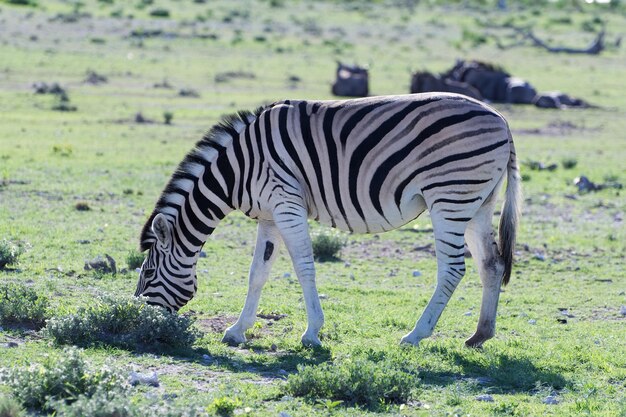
{"x": 286, "y": 275}
{"x": 484, "y": 397}
{"x": 622, "y": 310}
{"x": 417, "y": 274}
{"x": 532, "y": 321}
{"x": 145, "y": 379}
{"x": 284, "y": 414}
{"x": 468, "y": 313}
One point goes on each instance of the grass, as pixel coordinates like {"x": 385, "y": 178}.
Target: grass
{"x": 571, "y": 245}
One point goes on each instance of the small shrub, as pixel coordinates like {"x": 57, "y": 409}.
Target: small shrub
{"x": 160, "y": 12}
{"x": 569, "y": 163}
{"x": 9, "y": 253}
{"x": 326, "y": 246}
{"x": 82, "y": 206}
{"x": 63, "y": 150}
{"x": 22, "y": 2}
{"x": 100, "y": 404}
{"x": 125, "y": 322}
{"x": 62, "y": 103}
{"x": 356, "y": 381}
{"x": 60, "y": 378}
{"x": 134, "y": 259}
{"x": 21, "y": 305}
{"x": 167, "y": 117}
{"x": 224, "y": 406}
{"x": 9, "y": 407}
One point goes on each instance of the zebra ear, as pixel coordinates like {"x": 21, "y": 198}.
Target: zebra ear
{"x": 162, "y": 229}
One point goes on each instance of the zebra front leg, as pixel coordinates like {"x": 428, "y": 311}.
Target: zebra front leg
{"x": 449, "y": 246}
{"x": 265, "y": 252}
{"x": 291, "y": 220}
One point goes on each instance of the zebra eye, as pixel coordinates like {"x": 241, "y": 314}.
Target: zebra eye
{"x": 148, "y": 273}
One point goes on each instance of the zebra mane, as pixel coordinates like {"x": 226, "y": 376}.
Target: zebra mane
{"x": 204, "y": 152}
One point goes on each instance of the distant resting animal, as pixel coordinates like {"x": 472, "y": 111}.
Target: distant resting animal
{"x": 363, "y": 165}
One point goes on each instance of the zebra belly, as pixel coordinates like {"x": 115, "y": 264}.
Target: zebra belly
{"x": 372, "y": 222}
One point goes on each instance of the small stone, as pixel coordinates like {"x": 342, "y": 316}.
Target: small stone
{"x": 202, "y": 254}
{"x": 284, "y": 414}
{"x": 286, "y": 275}
{"x": 484, "y": 397}
{"x": 145, "y": 379}
{"x": 550, "y": 399}
{"x": 347, "y": 264}
{"x": 622, "y": 310}
{"x": 282, "y": 372}
{"x": 11, "y": 344}
{"x": 417, "y": 274}
{"x": 532, "y": 321}
{"x": 467, "y": 313}
{"x": 207, "y": 358}
{"x": 323, "y": 297}
{"x": 286, "y": 398}
{"x": 137, "y": 270}
{"x": 539, "y": 257}
{"x": 273, "y": 348}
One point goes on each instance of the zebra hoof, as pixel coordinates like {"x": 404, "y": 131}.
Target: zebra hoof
{"x": 477, "y": 340}
{"x": 409, "y": 340}
{"x": 233, "y": 339}
{"x": 310, "y": 341}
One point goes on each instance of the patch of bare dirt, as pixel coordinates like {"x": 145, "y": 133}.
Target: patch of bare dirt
{"x": 217, "y": 324}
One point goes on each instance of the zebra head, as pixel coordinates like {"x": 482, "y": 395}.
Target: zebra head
{"x": 166, "y": 279}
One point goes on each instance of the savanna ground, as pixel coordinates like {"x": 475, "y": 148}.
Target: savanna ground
{"x": 239, "y": 55}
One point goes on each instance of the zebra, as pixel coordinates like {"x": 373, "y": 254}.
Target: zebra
{"x": 363, "y": 165}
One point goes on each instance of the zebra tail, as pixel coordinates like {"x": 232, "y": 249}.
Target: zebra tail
{"x": 509, "y": 218}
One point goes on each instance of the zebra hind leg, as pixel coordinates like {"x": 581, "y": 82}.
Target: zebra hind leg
{"x": 481, "y": 243}
{"x": 450, "y": 249}
{"x": 265, "y": 252}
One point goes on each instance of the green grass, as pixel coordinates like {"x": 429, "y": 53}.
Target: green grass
{"x": 570, "y": 250}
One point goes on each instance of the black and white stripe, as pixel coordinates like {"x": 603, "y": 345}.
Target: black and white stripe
{"x": 365, "y": 166}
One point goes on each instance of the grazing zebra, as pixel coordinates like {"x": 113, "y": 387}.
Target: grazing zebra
{"x": 365, "y": 166}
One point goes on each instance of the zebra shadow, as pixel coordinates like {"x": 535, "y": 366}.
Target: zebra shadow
{"x": 253, "y": 358}
{"x": 493, "y": 372}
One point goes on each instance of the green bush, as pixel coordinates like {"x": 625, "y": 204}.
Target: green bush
{"x": 101, "y": 403}
{"x": 125, "y": 322}
{"x": 326, "y": 246}
{"x": 22, "y": 305}
{"x": 569, "y": 163}
{"x": 159, "y": 12}
{"x": 60, "y": 378}
{"x": 9, "y": 253}
{"x": 9, "y": 407}
{"x": 224, "y": 406}
{"x": 134, "y": 259}
{"x": 355, "y": 381}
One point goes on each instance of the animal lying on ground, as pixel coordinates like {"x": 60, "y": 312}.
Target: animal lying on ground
{"x": 364, "y": 165}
